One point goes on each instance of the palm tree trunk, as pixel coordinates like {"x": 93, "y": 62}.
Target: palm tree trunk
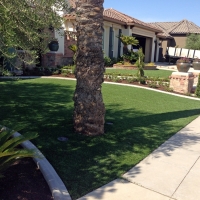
{"x": 89, "y": 108}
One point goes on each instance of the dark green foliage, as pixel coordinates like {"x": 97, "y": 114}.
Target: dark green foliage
{"x": 140, "y": 64}
{"x": 108, "y": 62}
{"x": 130, "y": 56}
{"x": 28, "y": 25}
{"x": 197, "y": 91}
{"x": 193, "y": 42}
{"x": 128, "y": 40}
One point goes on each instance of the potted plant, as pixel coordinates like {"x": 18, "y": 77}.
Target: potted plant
{"x": 183, "y": 64}
{"x": 196, "y": 64}
{"x": 130, "y": 56}
{"x": 53, "y": 44}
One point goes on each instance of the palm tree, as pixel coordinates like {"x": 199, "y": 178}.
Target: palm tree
{"x": 128, "y": 40}
{"x": 89, "y": 110}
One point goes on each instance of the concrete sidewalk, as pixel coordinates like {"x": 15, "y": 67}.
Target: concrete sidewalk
{"x": 170, "y": 172}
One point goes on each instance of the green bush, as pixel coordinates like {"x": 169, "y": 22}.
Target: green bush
{"x": 9, "y": 150}
{"x": 130, "y": 56}
{"x": 193, "y": 42}
{"x": 197, "y": 91}
{"x": 68, "y": 69}
{"x": 140, "y": 64}
{"x": 107, "y": 61}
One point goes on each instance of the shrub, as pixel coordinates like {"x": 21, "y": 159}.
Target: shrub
{"x": 107, "y": 61}
{"x": 197, "y": 91}
{"x": 150, "y": 64}
{"x": 9, "y": 150}
{"x": 153, "y": 84}
{"x": 130, "y": 56}
{"x": 140, "y": 63}
{"x": 74, "y": 48}
{"x": 68, "y": 69}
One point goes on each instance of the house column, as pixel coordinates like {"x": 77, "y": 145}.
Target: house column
{"x": 153, "y": 48}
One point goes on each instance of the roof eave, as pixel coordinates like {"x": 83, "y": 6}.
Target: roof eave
{"x": 148, "y": 28}
{"x": 113, "y": 20}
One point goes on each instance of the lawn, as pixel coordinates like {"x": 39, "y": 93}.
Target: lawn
{"x": 150, "y": 73}
{"x": 142, "y": 120}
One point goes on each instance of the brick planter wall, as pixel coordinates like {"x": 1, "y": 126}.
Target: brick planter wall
{"x": 52, "y": 59}
{"x": 196, "y": 76}
{"x": 182, "y": 82}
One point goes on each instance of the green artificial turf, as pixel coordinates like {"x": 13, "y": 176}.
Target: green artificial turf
{"x": 142, "y": 120}
{"x": 150, "y": 73}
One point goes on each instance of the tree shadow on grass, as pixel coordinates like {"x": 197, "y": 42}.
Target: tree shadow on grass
{"x": 126, "y": 144}
{"x": 86, "y": 163}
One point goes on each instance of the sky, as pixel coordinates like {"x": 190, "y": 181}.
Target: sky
{"x": 158, "y": 10}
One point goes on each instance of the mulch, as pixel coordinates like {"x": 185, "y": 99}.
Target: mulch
{"x": 24, "y": 181}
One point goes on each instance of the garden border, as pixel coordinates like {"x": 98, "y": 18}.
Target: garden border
{"x": 56, "y": 185}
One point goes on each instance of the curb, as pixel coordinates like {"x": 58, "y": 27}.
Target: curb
{"x": 57, "y": 187}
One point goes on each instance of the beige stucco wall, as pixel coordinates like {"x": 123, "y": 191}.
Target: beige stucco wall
{"x": 180, "y": 41}
{"x": 150, "y": 46}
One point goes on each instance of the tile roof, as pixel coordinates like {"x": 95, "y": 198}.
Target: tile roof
{"x": 182, "y": 27}
{"x": 127, "y": 20}
{"x": 121, "y": 18}
{"x": 164, "y": 33}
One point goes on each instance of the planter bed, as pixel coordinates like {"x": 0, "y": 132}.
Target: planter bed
{"x": 115, "y": 66}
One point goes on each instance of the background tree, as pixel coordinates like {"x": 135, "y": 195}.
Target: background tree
{"x": 193, "y": 42}
{"x": 89, "y": 108}
{"x": 23, "y": 25}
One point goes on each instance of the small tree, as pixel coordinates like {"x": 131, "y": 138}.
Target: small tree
{"x": 193, "y": 42}
{"x": 128, "y": 40}
{"x": 25, "y": 25}
{"x": 140, "y": 63}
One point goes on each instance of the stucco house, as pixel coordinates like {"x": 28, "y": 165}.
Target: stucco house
{"x": 174, "y": 34}
{"x": 115, "y": 24}
{"x": 154, "y": 38}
